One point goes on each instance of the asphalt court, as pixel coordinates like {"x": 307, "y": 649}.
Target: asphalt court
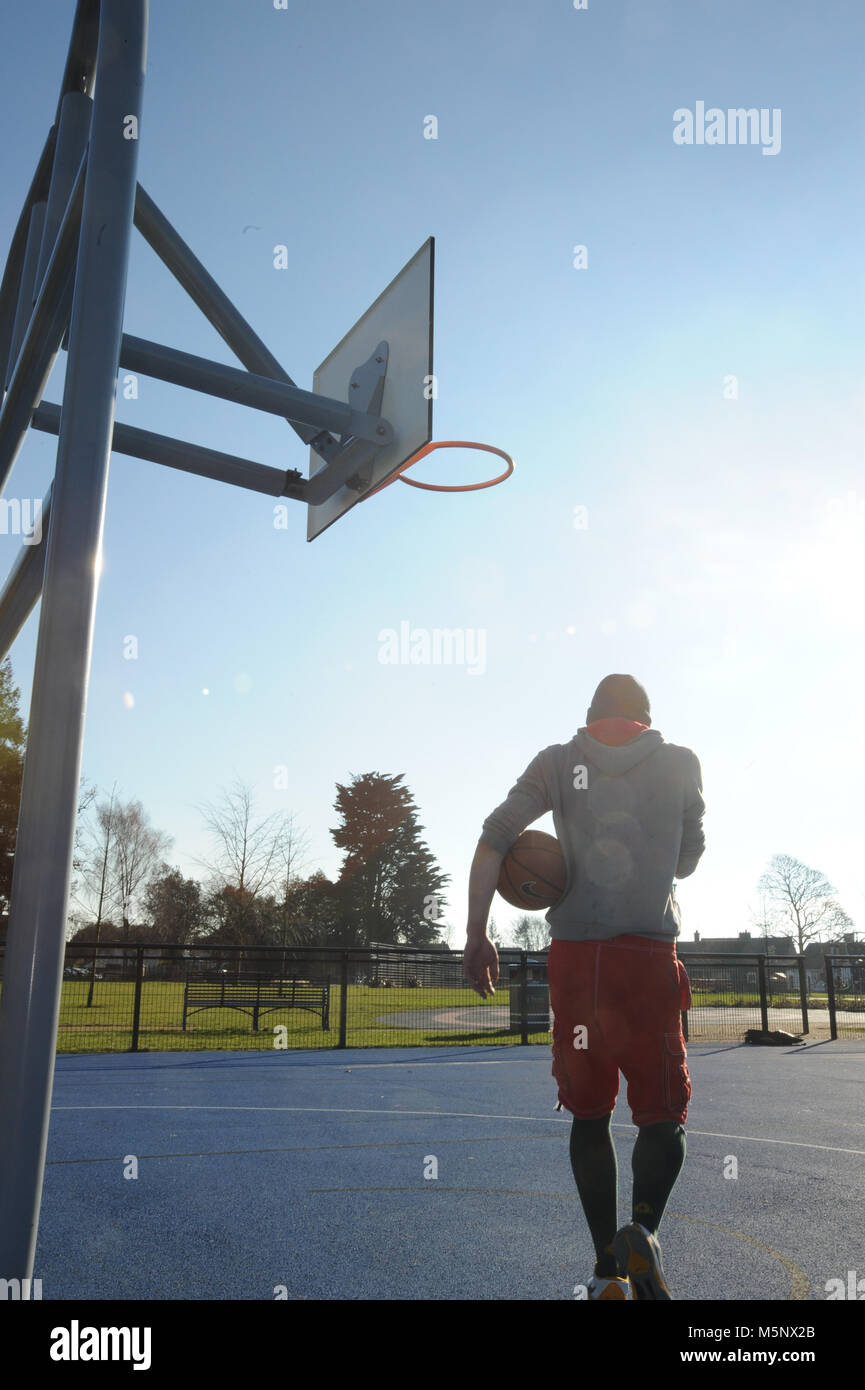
{"x": 307, "y": 1175}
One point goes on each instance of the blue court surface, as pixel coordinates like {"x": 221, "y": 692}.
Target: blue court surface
{"x": 302, "y": 1175}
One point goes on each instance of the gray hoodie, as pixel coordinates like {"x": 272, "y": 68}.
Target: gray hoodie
{"x": 629, "y": 820}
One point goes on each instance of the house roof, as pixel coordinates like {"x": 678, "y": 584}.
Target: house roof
{"x": 744, "y": 944}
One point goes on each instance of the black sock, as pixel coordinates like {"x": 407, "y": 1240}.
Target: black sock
{"x": 659, "y": 1153}
{"x": 593, "y": 1160}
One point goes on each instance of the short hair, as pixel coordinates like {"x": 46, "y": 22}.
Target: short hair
{"x": 622, "y": 697}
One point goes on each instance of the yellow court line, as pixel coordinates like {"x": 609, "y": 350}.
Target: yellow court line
{"x": 799, "y": 1282}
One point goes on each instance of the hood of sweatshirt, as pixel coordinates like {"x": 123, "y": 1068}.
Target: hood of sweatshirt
{"x": 614, "y": 746}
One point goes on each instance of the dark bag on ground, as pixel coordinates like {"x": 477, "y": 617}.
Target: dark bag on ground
{"x": 773, "y": 1039}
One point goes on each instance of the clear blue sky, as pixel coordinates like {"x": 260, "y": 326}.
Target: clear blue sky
{"x": 722, "y": 563}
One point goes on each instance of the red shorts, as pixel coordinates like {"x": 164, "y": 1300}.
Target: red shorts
{"x": 627, "y": 995}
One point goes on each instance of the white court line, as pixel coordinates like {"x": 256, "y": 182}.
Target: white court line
{"x": 322, "y": 1110}
{"x": 455, "y": 1115}
{"x": 542, "y": 1056}
{"x": 488, "y": 1062}
{"x": 543, "y": 1048}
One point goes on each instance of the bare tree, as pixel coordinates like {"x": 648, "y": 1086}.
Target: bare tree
{"x": 105, "y": 818}
{"x": 802, "y": 900}
{"x": 248, "y": 854}
{"x": 92, "y": 842}
{"x": 290, "y": 847}
{"x": 86, "y": 797}
{"x": 531, "y": 932}
{"x": 446, "y": 931}
{"x": 763, "y": 919}
{"x": 492, "y": 932}
{"x": 120, "y": 856}
{"x": 138, "y": 850}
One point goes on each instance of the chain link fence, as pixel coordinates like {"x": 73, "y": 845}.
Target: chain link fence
{"x": 732, "y": 993}
{"x": 166, "y": 998}
{"x": 211, "y": 997}
{"x": 845, "y": 988}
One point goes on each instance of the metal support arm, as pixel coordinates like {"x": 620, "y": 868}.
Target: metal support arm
{"x": 188, "y": 458}
{"x": 43, "y": 336}
{"x": 246, "y": 388}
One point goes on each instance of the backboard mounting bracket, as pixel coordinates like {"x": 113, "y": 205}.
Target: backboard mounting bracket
{"x": 368, "y": 381}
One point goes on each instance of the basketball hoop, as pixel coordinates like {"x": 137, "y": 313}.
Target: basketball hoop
{"x": 447, "y": 487}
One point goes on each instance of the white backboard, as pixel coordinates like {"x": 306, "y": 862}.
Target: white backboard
{"x": 403, "y": 317}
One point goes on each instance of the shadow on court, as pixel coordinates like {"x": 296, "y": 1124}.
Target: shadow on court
{"x": 431, "y": 1174}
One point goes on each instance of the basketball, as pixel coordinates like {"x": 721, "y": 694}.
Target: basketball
{"x": 533, "y": 873}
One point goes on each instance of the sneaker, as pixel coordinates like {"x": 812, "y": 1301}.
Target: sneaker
{"x": 638, "y": 1256}
{"x": 601, "y": 1290}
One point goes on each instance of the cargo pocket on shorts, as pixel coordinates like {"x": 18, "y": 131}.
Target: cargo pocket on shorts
{"x": 677, "y": 1082}
{"x": 684, "y": 986}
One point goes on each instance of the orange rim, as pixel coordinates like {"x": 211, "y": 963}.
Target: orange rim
{"x": 447, "y": 487}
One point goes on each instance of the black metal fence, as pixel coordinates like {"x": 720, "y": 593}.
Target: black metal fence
{"x": 162, "y": 998}
{"x": 845, "y": 986}
{"x": 210, "y": 997}
{"x": 732, "y": 993}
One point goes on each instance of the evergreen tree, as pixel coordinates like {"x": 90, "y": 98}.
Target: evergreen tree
{"x": 388, "y": 874}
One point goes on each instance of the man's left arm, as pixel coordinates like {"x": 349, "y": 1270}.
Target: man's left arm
{"x": 480, "y": 958}
{"x": 527, "y": 799}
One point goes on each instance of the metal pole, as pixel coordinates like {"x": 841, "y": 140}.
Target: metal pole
{"x": 20, "y": 593}
{"x": 829, "y": 964}
{"x": 803, "y": 993}
{"x": 761, "y": 976}
{"x": 43, "y": 336}
{"x": 247, "y": 388}
{"x": 73, "y": 130}
{"x": 524, "y": 997}
{"x": 80, "y": 70}
{"x": 40, "y": 886}
{"x": 15, "y": 260}
{"x": 343, "y": 999}
{"x": 26, "y": 286}
{"x": 136, "y": 1006}
{"x": 189, "y": 458}
{"x": 213, "y": 302}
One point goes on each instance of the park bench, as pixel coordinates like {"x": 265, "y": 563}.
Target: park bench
{"x": 257, "y": 997}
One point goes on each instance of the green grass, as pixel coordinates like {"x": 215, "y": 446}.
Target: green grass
{"x": 751, "y": 1000}
{"x": 107, "y": 1025}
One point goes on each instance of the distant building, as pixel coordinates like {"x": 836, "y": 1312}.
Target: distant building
{"x": 781, "y": 946}
{"x": 743, "y": 944}
{"x": 847, "y": 976}
{"x": 721, "y": 976}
